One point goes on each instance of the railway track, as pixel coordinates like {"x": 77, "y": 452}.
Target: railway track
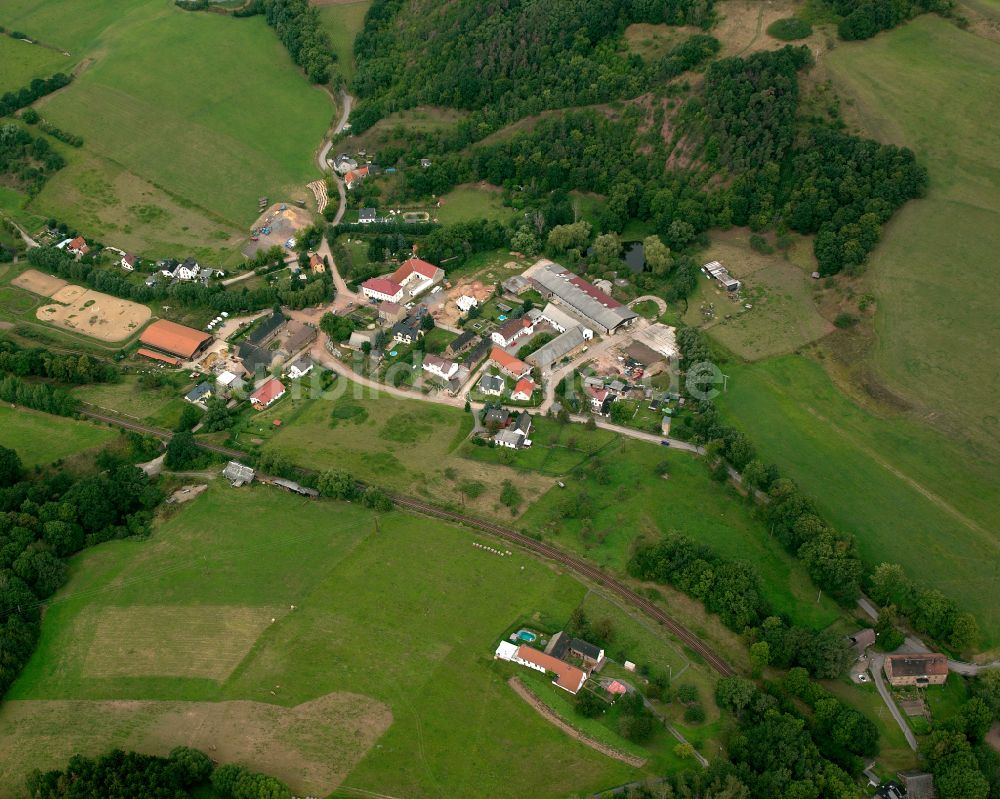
{"x": 571, "y": 562}
{"x": 581, "y": 567}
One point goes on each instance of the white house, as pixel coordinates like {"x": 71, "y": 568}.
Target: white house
{"x": 381, "y": 289}
{"x": 366, "y": 216}
{"x": 344, "y": 163}
{"x": 523, "y": 390}
{"x": 300, "y": 368}
{"x": 128, "y": 262}
{"x": 440, "y": 367}
{"x": 568, "y": 677}
{"x": 466, "y": 303}
{"x": 512, "y": 331}
{"x": 189, "y": 270}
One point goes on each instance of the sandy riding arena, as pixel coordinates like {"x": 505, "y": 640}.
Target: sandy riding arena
{"x": 82, "y": 310}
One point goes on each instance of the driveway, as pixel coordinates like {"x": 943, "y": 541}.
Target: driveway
{"x": 878, "y": 660}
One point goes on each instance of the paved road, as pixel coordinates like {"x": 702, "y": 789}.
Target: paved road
{"x": 877, "y": 661}
{"x": 346, "y": 101}
{"x": 593, "y": 351}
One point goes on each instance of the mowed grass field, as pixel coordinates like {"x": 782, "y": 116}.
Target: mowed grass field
{"x": 21, "y": 62}
{"x": 466, "y": 203}
{"x": 40, "y": 438}
{"x": 181, "y": 135}
{"x": 926, "y": 85}
{"x": 632, "y": 500}
{"x": 401, "y": 616}
{"x": 400, "y": 444}
{"x": 910, "y": 496}
{"x": 343, "y": 21}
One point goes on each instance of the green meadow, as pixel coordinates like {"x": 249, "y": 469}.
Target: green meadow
{"x": 928, "y": 85}
{"x": 40, "y": 438}
{"x": 180, "y": 138}
{"x": 398, "y": 612}
{"x": 22, "y": 62}
{"x": 910, "y": 496}
{"x": 602, "y": 515}
{"x": 466, "y": 203}
{"x": 343, "y": 21}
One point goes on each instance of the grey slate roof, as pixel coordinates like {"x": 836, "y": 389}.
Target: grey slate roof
{"x": 562, "y": 344}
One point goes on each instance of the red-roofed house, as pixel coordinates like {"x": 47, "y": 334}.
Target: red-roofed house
{"x": 598, "y": 396}
{"x": 267, "y": 394}
{"x": 355, "y": 176}
{"x": 515, "y": 367}
{"x": 512, "y": 331}
{"x": 523, "y": 390}
{"x": 378, "y": 288}
{"x": 78, "y": 246}
{"x": 129, "y": 262}
{"x": 316, "y": 264}
{"x": 568, "y": 677}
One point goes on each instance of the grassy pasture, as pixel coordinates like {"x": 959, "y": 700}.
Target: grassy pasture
{"x": 22, "y": 62}
{"x": 468, "y": 203}
{"x": 633, "y": 500}
{"x": 925, "y": 85}
{"x": 908, "y": 495}
{"x": 160, "y": 407}
{"x": 343, "y": 21}
{"x": 403, "y": 615}
{"x": 41, "y": 438}
{"x": 397, "y": 443}
{"x": 47, "y": 21}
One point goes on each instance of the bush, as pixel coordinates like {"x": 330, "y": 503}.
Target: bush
{"x": 789, "y": 29}
{"x": 687, "y": 693}
{"x": 845, "y": 320}
{"x": 694, "y": 714}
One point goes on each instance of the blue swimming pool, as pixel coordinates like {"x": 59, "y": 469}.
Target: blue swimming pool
{"x": 502, "y": 317}
{"x": 526, "y": 635}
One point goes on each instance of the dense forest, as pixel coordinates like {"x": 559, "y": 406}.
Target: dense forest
{"x": 504, "y": 63}
{"x": 126, "y": 775}
{"x": 299, "y": 28}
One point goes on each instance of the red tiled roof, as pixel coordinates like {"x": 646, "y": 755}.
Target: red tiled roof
{"x": 157, "y": 356}
{"x": 314, "y": 259}
{"x": 77, "y": 243}
{"x": 525, "y": 386}
{"x": 129, "y": 259}
{"x": 917, "y": 665}
{"x": 268, "y": 392}
{"x": 599, "y": 394}
{"x": 174, "y": 338}
{"x": 412, "y": 265}
{"x": 594, "y": 292}
{"x": 509, "y": 363}
{"x": 382, "y": 286}
{"x": 568, "y": 677}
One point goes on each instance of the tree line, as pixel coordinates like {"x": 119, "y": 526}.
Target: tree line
{"x": 44, "y": 521}
{"x": 26, "y": 95}
{"x": 733, "y": 590}
{"x": 299, "y": 28}
{"x": 830, "y": 556}
{"x": 186, "y": 772}
{"x": 295, "y": 293}
{"x": 64, "y": 368}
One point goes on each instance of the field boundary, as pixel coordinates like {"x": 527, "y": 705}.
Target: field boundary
{"x": 553, "y": 718}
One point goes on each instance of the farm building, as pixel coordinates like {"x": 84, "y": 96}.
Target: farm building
{"x": 299, "y": 335}
{"x": 516, "y": 285}
{"x": 378, "y": 288}
{"x": 238, "y": 474}
{"x": 391, "y": 312}
{"x": 174, "y": 339}
{"x": 417, "y": 276}
{"x": 291, "y": 485}
{"x": 464, "y": 342}
{"x": 919, "y": 670}
{"x": 267, "y": 329}
{"x": 157, "y": 356}
{"x": 599, "y": 310}
{"x": 512, "y": 330}
{"x": 568, "y": 677}
{"x": 229, "y": 381}
{"x": 515, "y": 367}
{"x": 562, "y": 646}
{"x": 558, "y": 318}
{"x": 718, "y": 272}
{"x": 478, "y": 352}
{"x": 267, "y": 394}
{"x": 561, "y": 346}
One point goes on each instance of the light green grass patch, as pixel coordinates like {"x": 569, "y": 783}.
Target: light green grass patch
{"x": 909, "y": 496}
{"x": 167, "y": 101}
{"x": 602, "y": 518}
{"x": 40, "y": 438}
{"x": 407, "y": 613}
{"x": 468, "y": 203}
{"x": 343, "y": 21}
{"x": 21, "y": 62}
{"x": 925, "y": 85}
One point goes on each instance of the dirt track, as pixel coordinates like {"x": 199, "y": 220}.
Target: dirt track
{"x": 552, "y": 718}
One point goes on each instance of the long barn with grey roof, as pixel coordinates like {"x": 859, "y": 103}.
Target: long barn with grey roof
{"x": 559, "y": 347}
{"x": 604, "y": 313}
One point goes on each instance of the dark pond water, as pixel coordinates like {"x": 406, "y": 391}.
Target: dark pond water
{"x": 633, "y": 253}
